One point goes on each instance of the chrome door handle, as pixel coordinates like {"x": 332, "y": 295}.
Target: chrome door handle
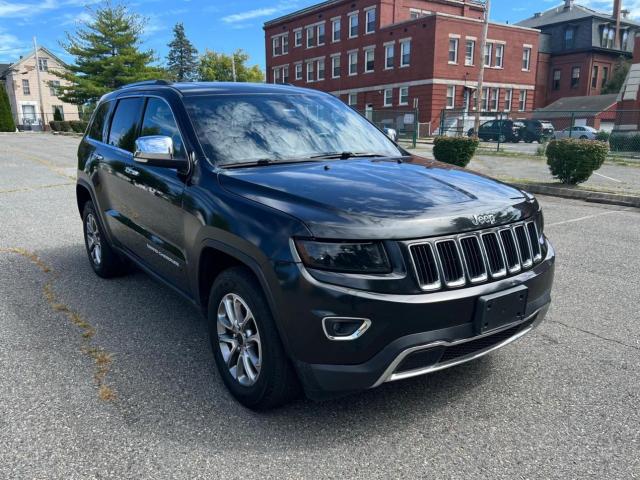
{"x": 131, "y": 171}
{"x": 98, "y": 157}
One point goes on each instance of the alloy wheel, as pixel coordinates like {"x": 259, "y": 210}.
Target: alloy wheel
{"x": 239, "y": 339}
{"x": 94, "y": 243}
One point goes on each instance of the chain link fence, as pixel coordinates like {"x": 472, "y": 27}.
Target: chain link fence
{"x": 403, "y": 122}
{"x": 619, "y": 128}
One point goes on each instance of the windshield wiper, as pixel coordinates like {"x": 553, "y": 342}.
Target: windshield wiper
{"x": 345, "y": 155}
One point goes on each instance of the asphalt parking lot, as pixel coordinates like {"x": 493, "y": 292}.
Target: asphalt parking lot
{"x": 115, "y": 379}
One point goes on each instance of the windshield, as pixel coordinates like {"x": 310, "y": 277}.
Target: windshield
{"x": 248, "y": 128}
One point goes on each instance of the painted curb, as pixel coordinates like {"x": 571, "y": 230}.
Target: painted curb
{"x": 586, "y": 195}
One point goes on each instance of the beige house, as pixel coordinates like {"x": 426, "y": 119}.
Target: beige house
{"x": 21, "y": 82}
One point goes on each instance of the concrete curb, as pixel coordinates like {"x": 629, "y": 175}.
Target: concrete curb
{"x": 587, "y": 195}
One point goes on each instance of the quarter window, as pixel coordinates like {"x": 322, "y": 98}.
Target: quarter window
{"x": 125, "y": 123}
{"x": 159, "y": 120}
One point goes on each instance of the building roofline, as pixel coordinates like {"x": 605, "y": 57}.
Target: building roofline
{"x": 328, "y": 3}
{"x": 31, "y": 54}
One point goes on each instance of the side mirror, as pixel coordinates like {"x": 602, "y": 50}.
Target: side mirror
{"x": 157, "y": 151}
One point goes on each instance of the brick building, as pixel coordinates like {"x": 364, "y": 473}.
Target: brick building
{"x": 583, "y": 47}
{"x": 401, "y": 54}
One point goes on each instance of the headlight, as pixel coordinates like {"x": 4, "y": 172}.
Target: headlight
{"x": 361, "y": 257}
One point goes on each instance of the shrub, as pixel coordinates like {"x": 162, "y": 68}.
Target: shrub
{"x": 57, "y": 115}
{"x": 573, "y": 161}
{"x": 602, "y": 136}
{"x": 454, "y": 150}
{"x": 622, "y": 142}
{"x": 6, "y": 118}
{"x": 78, "y": 126}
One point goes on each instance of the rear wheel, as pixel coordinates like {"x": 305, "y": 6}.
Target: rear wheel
{"x": 583, "y": 137}
{"x": 246, "y": 345}
{"x": 103, "y": 258}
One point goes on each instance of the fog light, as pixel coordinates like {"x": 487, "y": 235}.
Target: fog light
{"x": 344, "y": 328}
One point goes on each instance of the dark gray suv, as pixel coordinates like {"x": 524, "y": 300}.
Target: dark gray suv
{"x": 325, "y": 258}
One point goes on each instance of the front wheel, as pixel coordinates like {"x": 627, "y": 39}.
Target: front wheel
{"x": 246, "y": 345}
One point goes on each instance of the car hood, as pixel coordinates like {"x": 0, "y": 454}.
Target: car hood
{"x": 376, "y": 199}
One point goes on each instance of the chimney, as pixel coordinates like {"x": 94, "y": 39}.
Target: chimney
{"x": 568, "y": 4}
{"x": 617, "y": 13}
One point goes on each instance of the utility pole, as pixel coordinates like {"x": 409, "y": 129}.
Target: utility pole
{"x": 483, "y": 43}
{"x": 35, "y": 51}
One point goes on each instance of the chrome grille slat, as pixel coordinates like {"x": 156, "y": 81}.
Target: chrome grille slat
{"x": 472, "y": 258}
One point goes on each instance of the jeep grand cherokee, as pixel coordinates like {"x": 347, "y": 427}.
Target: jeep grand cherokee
{"x": 324, "y": 256}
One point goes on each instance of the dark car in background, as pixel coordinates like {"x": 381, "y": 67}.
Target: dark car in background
{"x": 500, "y": 130}
{"x": 537, "y": 131}
{"x": 324, "y": 257}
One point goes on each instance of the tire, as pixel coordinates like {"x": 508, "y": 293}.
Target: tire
{"x": 104, "y": 260}
{"x": 583, "y": 137}
{"x": 268, "y": 380}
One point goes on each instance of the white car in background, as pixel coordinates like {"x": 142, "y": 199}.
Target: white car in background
{"x": 581, "y": 132}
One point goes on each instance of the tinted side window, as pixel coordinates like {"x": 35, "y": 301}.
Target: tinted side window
{"x": 158, "y": 120}
{"x": 96, "y": 130}
{"x": 124, "y": 126}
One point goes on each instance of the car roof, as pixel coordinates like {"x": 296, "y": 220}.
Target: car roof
{"x": 213, "y": 88}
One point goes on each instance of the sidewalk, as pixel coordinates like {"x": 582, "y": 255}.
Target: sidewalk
{"x": 612, "y": 177}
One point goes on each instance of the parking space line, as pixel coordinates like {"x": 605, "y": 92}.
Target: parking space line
{"x": 587, "y": 217}
{"x": 608, "y": 178}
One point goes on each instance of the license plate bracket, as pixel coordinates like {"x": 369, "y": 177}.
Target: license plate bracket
{"x": 501, "y": 308}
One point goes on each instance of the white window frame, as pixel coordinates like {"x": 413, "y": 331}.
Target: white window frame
{"x": 352, "y": 54}
{"x": 276, "y": 75}
{"x": 508, "y": 99}
{"x": 324, "y": 34}
{"x": 312, "y": 37}
{"x": 369, "y": 51}
{"x": 400, "y": 90}
{"x": 526, "y": 58}
{"x": 456, "y": 42}
{"x": 297, "y": 37}
{"x": 320, "y": 63}
{"x": 387, "y": 96}
{"x": 499, "y": 48}
{"x": 494, "y": 99}
{"x": 352, "y": 96}
{"x": 310, "y": 71}
{"x": 405, "y": 43}
{"x": 389, "y": 47}
{"x": 522, "y": 101}
{"x": 336, "y": 21}
{"x": 351, "y": 16}
{"x": 298, "y": 71}
{"x": 276, "y": 46}
{"x": 488, "y": 54}
{"x": 469, "y": 61}
{"x": 367, "y": 11}
{"x": 26, "y": 88}
{"x": 484, "y": 99}
{"x": 334, "y": 58}
{"x": 450, "y": 102}
{"x": 284, "y": 42}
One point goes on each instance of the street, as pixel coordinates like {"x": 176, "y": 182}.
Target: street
{"x": 115, "y": 378}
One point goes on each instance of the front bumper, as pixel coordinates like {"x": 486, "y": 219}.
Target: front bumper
{"x": 409, "y": 334}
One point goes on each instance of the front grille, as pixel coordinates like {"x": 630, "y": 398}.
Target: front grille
{"x": 474, "y": 258}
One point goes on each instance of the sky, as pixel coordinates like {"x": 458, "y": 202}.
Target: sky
{"x": 214, "y": 24}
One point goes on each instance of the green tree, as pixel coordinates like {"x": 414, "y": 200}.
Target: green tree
{"x": 218, "y": 67}
{"x": 618, "y": 76}
{"x": 107, "y": 54}
{"x": 182, "y": 59}
{"x": 6, "y": 118}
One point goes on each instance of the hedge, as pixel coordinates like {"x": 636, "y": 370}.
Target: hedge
{"x": 77, "y": 126}
{"x": 6, "y": 118}
{"x": 621, "y": 142}
{"x": 454, "y": 150}
{"x": 573, "y": 161}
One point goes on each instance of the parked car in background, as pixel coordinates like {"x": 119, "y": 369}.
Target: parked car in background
{"x": 500, "y": 130}
{"x": 582, "y": 132}
{"x": 537, "y": 131}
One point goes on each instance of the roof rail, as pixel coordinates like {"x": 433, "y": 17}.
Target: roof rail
{"x": 146, "y": 82}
